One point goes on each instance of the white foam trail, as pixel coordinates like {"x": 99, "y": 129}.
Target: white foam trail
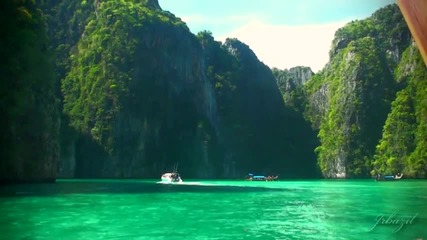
{"x": 188, "y": 183}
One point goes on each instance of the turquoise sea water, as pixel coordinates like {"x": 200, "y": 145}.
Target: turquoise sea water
{"x": 133, "y": 209}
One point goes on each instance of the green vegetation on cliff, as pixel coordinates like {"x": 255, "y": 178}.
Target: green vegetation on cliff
{"x": 140, "y": 92}
{"x": 358, "y": 103}
{"x": 403, "y": 147}
{"x": 126, "y": 90}
{"x": 143, "y": 93}
{"x": 257, "y": 130}
{"x": 349, "y": 100}
{"x": 291, "y": 84}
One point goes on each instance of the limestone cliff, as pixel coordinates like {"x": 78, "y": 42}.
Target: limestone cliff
{"x": 145, "y": 101}
{"x": 259, "y": 131}
{"x": 29, "y": 115}
{"x": 403, "y": 144}
{"x": 350, "y": 98}
{"x": 141, "y": 93}
{"x": 291, "y": 84}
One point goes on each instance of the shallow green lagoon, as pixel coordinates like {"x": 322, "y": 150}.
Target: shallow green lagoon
{"x": 110, "y": 209}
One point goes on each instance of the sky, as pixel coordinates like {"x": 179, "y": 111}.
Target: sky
{"x": 282, "y": 33}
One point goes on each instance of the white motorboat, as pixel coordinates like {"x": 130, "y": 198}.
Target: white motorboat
{"x": 171, "y": 177}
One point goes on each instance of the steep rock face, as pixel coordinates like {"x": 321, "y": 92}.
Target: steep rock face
{"x": 289, "y": 79}
{"x": 403, "y": 144}
{"x": 291, "y": 85}
{"x": 255, "y": 84}
{"x": 28, "y": 108}
{"x": 357, "y": 110}
{"x": 257, "y": 131}
{"x": 386, "y": 26}
{"x": 258, "y": 113}
{"x": 142, "y": 93}
{"x": 316, "y": 98}
{"x": 66, "y": 22}
{"x": 138, "y": 94}
{"x": 350, "y": 98}
{"x": 168, "y": 108}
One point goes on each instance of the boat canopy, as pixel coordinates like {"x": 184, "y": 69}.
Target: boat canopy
{"x": 259, "y": 176}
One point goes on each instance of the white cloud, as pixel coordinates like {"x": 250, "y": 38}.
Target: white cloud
{"x": 288, "y": 46}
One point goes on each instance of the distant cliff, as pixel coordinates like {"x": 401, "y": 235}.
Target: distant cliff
{"x": 291, "y": 84}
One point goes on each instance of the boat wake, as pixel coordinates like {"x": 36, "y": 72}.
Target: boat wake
{"x": 208, "y": 184}
{"x": 186, "y": 183}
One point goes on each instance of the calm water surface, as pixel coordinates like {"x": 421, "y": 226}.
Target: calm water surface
{"x": 110, "y": 209}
